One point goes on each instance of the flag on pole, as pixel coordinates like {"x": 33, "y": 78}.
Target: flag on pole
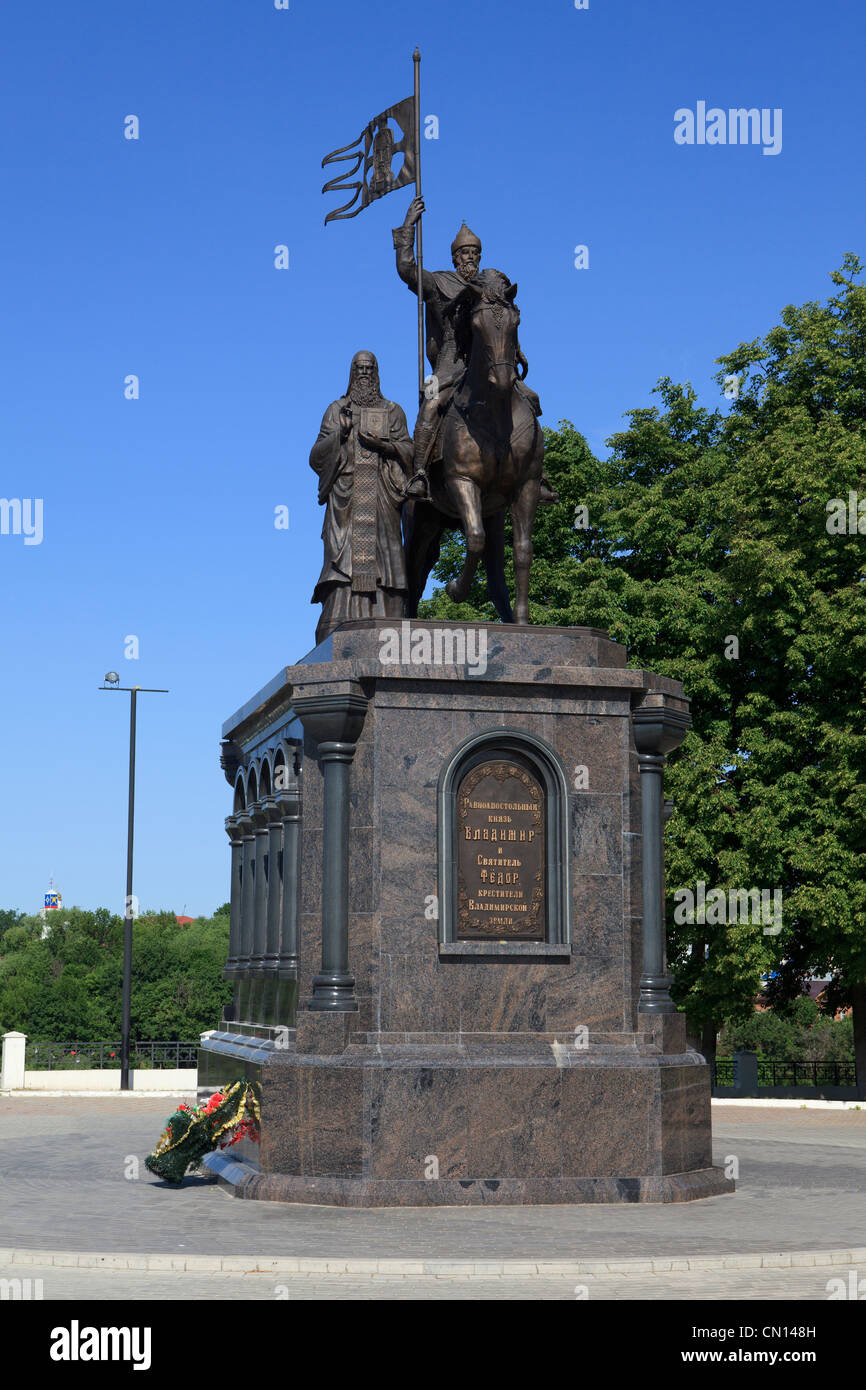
{"x": 373, "y": 153}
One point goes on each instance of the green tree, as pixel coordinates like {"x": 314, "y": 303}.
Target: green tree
{"x": 708, "y": 555}
{"x": 66, "y": 986}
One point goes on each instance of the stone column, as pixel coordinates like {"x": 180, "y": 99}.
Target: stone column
{"x": 245, "y": 825}
{"x": 271, "y": 959}
{"x": 235, "y": 834}
{"x": 660, "y": 723}
{"x": 289, "y": 802}
{"x": 260, "y": 910}
{"x": 334, "y": 720}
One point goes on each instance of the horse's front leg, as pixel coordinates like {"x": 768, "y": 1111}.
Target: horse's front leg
{"x": 494, "y": 563}
{"x": 523, "y": 510}
{"x": 424, "y": 534}
{"x": 466, "y": 497}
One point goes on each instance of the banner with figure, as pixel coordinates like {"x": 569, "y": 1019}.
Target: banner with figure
{"x": 373, "y": 153}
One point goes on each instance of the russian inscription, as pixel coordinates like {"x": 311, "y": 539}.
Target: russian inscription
{"x": 500, "y": 854}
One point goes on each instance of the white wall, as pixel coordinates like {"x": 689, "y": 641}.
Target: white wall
{"x": 92, "y": 1079}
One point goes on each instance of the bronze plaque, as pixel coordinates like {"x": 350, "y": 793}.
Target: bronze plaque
{"x": 500, "y": 854}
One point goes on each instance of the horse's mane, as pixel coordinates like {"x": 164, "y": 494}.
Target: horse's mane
{"x": 495, "y": 284}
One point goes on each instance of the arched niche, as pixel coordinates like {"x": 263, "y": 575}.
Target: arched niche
{"x": 286, "y": 765}
{"x": 264, "y": 777}
{"x": 503, "y": 846}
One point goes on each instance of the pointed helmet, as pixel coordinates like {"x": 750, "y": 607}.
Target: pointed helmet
{"x": 465, "y": 238}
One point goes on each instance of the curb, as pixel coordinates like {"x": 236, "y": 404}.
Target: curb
{"x": 777, "y": 1103}
{"x": 27, "y": 1094}
{"x": 434, "y": 1269}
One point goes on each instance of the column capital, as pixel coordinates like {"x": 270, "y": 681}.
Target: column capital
{"x": 244, "y": 821}
{"x": 660, "y": 722}
{"x": 234, "y": 830}
{"x": 333, "y": 716}
{"x": 288, "y": 803}
{"x": 271, "y": 809}
{"x": 231, "y": 757}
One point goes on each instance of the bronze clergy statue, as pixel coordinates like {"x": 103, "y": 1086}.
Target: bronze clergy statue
{"x": 363, "y": 457}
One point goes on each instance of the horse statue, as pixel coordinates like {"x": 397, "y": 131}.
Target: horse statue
{"x": 492, "y": 452}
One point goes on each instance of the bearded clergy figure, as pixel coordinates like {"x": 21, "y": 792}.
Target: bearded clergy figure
{"x": 363, "y": 457}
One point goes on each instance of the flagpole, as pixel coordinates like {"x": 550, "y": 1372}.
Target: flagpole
{"x": 419, "y": 257}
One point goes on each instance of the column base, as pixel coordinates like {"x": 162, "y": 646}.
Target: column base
{"x": 655, "y": 997}
{"x": 333, "y": 992}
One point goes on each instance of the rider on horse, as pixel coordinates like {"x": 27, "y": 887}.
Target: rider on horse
{"x": 441, "y": 289}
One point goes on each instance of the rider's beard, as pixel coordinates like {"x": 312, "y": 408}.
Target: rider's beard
{"x": 365, "y": 391}
{"x": 468, "y": 270}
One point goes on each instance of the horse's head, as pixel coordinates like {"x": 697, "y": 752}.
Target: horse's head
{"x": 494, "y": 319}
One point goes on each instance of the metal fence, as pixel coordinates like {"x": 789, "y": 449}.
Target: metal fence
{"x": 86, "y": 1056}
{"x": 790, "y": 1073}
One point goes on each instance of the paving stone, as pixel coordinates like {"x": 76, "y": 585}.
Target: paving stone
{"x": 62, "y": 1188}
{"x": 78, "y": 1284}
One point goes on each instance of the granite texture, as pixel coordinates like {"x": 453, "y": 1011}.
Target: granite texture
{"x": 680, "y": 1187}
{"x": 460, "y": 1079}
{"x": 528, "y": 1113}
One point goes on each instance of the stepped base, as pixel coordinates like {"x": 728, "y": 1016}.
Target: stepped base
{"x": 422, "y": 1119}
{"x": 244, "y": 1181}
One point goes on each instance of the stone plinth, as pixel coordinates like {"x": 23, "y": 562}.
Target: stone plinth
{"x": 422, "y": 1068}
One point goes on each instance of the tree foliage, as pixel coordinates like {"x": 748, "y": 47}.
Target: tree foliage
{"x": 67, "y": 985}
{"x": 797, "y": 1033}
{"x": 708, "y": 554}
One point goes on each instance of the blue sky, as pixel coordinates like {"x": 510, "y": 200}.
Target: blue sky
{"x": 155, "y": 257}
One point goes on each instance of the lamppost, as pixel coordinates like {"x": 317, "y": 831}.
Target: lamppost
{"x": 112, "y": 682}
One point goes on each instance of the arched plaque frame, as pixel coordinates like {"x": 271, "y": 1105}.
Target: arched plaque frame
{"x": 545, "y": 765}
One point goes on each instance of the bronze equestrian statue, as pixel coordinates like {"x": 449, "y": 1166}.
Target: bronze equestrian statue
{"x": 492, "y": 452}
{"x": 440, "y": 289}
{"x": 478, "y": 445}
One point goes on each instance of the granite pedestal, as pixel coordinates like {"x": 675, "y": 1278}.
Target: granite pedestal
{"x": 428, "y": 1062}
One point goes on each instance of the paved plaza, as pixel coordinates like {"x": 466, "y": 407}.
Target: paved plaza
{"x": 70, "y": 1185}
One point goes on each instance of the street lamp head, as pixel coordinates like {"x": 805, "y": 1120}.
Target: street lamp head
{"x": 111, "y": 678}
